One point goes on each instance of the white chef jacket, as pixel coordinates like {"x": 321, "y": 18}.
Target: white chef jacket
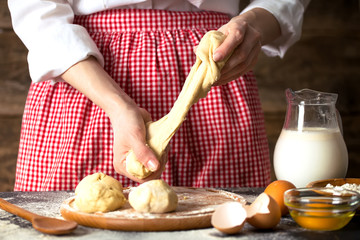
{"x": 55, "y": 43}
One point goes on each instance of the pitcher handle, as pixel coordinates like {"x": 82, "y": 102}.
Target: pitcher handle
{"x": 338, "y": 117}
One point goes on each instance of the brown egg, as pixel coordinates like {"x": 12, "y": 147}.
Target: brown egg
{"x": 264, "y": 212}
{"x": 229, "y": 217}
{"x": 276, "y": 190}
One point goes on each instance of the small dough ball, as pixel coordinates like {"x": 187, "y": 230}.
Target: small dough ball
{"x": 154, "y": 196}
{"x": 136, "y": 168}
{"x": 99, "y": 193}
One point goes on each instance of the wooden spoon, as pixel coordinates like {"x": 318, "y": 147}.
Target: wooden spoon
{"x": 43, "y": 224}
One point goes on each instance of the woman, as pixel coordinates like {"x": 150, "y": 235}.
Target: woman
{"x": 101, "y": 69}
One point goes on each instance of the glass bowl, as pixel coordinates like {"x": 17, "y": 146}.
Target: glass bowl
{"x": 345, "y": 183}
{"x": 324, "y": 209}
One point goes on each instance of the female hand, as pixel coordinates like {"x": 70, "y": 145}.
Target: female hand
{"x": 244, "y": 42}
{"x": 245, "y": 35}
{"x": 130, "y": 133}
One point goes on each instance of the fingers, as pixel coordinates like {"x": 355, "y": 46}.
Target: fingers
{"x": 130, "y": 134}
{"x": 243, "y": 57}
{"x": 143, "y": 153}
{"x": 159, "y": 171}
{"x": 120, "y": 167}
{"x": 146, "y": 156}
{"x": 235, "y": 32}
{"x": 237, "y": 68}
{"x": 243, "y": 52}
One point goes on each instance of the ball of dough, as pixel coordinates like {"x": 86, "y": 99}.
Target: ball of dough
{"x": 154, "y": 196}
{"x": 99, "y": 193}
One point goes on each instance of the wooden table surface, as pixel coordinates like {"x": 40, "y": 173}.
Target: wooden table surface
{"x": 48, "y": 204}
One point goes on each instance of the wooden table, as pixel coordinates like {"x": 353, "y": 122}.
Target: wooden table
{"x": 48, "y": 204}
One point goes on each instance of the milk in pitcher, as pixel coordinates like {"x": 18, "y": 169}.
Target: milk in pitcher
{"x": 309, "y": 155}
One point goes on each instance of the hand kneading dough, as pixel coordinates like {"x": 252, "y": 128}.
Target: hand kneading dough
{"x": 154, "y": 196}
{"x": 135, "y": 168}
{"x": 99, "y": 193}
{"x": 202, "y": 76}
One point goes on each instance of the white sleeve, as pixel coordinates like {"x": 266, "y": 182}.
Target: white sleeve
{"x": 54, "y": 42}
{"x": 289, "y": 14}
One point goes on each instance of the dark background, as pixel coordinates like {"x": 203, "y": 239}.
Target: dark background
{"x": 327, "y": 58}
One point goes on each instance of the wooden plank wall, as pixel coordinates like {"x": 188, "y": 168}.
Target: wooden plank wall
{"x": 327, "y": 58}
{"x": 14, "y": 83}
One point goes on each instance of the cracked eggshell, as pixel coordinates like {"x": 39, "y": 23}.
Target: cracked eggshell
{"x": 229, "y": 217}
{"x": 264, "y": 212}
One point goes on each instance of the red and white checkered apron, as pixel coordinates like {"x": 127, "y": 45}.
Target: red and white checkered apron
{"x": 149, "y": 53}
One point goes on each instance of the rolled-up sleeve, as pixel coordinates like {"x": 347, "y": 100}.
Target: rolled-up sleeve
{"x": 289, "y": 14}
{"x": 54, "y": 42}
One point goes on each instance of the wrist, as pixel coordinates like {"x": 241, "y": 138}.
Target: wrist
{"x": 264, "y": 22}
{"x": 116, "y": 105}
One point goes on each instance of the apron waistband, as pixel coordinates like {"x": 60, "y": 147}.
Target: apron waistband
{"x": 120, "y": 20}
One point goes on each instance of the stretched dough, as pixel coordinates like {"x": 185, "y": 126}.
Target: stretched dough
{"x": 154, "y": 196}
{"x": 202, "y": 76}
{"x": 99, "y": 193}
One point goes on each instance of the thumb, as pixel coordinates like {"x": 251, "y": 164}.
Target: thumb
{"x": 146, "y": 157}
{"x": 225, "y": 49}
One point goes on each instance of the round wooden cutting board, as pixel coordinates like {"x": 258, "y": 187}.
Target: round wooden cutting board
{"x": 194, "y": 210}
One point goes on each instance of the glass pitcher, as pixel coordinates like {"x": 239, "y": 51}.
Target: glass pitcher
{"x": 310, "y": 146}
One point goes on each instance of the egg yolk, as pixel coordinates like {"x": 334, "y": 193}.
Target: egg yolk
{"x": 321, "y": 220}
